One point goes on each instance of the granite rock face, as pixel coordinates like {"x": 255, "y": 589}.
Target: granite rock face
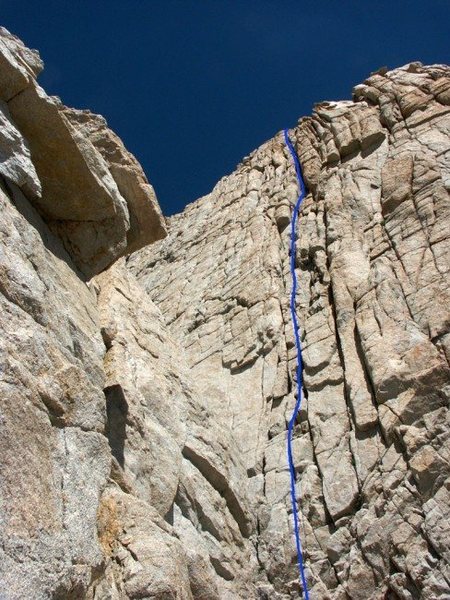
{"x": 143, "y": 412}
{"x": 90, "y": 191}
{"x": 371, "y": 444}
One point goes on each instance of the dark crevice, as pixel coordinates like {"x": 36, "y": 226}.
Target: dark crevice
{"x": 169, "y": 516}
{"x": 219, "y": 482}
{"x": 367, "y": 378}
{"x": 52, "y": 242}
{"x": 116, "y": 421}
{"x": 348, "y": 403}
{"x": 221, "y": 569}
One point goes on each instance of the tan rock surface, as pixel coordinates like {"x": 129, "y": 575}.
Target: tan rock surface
{"x": 168, "y": 451}
{"x": 19, "y": 66}
{"x": 55, "y": 458}
{"x": 373, "y": 305}
{"x": 143, "y": 415}
{"x": 147, "y": 223}
{"x": 15, "y": 158}
{"x": 95, "y": 195}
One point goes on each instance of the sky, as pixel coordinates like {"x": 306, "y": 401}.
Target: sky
{"x": 193, "y": 86}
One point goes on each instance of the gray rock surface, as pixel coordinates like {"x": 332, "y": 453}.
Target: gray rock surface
{"x": 143, "y": 413}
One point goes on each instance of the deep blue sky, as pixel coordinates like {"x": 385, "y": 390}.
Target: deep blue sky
{"x": 192, "y": 86}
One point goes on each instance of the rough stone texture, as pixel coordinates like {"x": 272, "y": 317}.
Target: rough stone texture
{"x": 167, "y": 450}
{"x": 146, "y": 221}
{"x": 19, "y": 66}
{"x": 143, "y": 414}
{"x": 94, "y": 193}
{"x": 54, "y": 456}
{"x": 371, "y": 444}
{"x": 15, "y": 159}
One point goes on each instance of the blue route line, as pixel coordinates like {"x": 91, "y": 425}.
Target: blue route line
{"x": 299, "y": 367}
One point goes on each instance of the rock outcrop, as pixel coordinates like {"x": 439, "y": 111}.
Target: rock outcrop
{"x": 91, "y": 192}
{"x": 144, "y": 403}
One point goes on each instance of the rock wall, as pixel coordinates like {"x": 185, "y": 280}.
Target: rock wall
{"x": 371, "y": 444}
{"x": 144, "y": 403}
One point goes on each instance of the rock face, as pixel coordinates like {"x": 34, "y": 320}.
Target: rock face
{"x": 88, "y": 188}
{"x": 143, "y": 413}
{"x": 371, "y": 443}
